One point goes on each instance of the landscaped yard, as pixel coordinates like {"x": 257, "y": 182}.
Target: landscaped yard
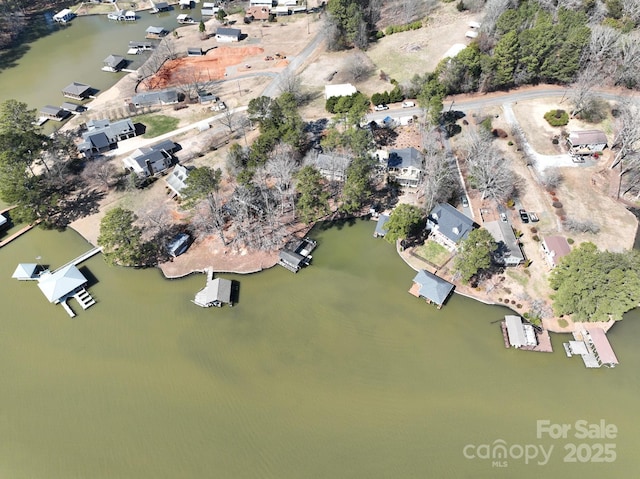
{"x": 433, "y": 253}
{"x": 157, "y": 124}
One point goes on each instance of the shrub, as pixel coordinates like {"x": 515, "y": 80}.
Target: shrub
{"x": 555, "y": 141}
{"x": 556, "y": 204}
{"x": 507, "y": 290}
{"x": 506, "y": 300}
{"x": 555, "y": 198}
{"x": 499, "y": 133}
{"x": 560, "y": 212}
{"x": 513, "y": 301}
{"x": 519, "y": 306}
{"x": 486, "y": 124}
{"x": 535, "y": 238}
{"x": 510, "y": 203}
{"x": 527, "y": 263}
{"x": 510, "y": 143}
{"x": 570, "y": 240}
{"x": 533, "y": 229}
{"x": 557, "y": 117}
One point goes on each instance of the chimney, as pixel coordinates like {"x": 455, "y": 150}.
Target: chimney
{"x": 149, "y": 167}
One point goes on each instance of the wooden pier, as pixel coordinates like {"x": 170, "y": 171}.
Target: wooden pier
{"x": 17, "y": 234}
{"x": 82, "y": 257}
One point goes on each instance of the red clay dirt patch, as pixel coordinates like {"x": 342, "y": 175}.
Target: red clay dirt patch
{"x": 211, "y": 66}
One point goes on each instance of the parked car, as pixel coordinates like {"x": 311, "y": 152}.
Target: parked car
{"x": 524, "y": 216}
{"x": 408, "y": 104}
{"x": 533, "y": 217}
{"x": 465, "y": 201}
{"x": 380, "y": 107}
{"x": 503, "y": 217}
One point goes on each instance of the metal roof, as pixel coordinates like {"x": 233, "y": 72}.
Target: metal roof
{"x": 60, "y": 283}
{"x": 450, "y": 222}
{"x": 432, "y": 287}
{"x": 602, "y": 346}
{"x": 217, "y": 290}
{"x": 380, "y": 229}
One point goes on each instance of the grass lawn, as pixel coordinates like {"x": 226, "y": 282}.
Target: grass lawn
{"x": 157, "y": 124}
{"x": 433, "y": 252}
{"x": 518, "y": 277}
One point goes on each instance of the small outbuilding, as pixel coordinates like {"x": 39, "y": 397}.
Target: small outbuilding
{"x": 432, "y": 288}
{"x": 217, "y": 292}
{"x": 27, "y": 272}
{"x": 519, "y": 334}
{"x": 343, "y": 89}
{"x": 224, "y": 34}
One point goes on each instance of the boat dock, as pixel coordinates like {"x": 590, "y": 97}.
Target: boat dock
{"x": 593, "y": 347}
{"x": 15, "y": 235}
{"x": 542, "y": 340}
{"x": 82, "y": 257}
{"x": 217, "y": 292}
{"x": 296, "y": 255}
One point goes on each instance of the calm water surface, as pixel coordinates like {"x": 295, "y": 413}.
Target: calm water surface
{"x": 334, "y": 372}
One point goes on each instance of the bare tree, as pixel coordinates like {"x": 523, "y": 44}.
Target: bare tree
{"x": 627, "y": 138}
{"x": 101, "y": 171}
{"x": 631, "y": 9}
{"x": 488, "y": 171}
{"x": 582, "y": 94}
{"x": 493, "y": 10}
{"x": 359, "y": 66}
{"x": 281, "y": 167}
{"x": 552, "y": 177}
{"x": 291, "y": 83}
{"x": 228, "y": 119}
{"x": 439, "y": 178}
{"x": 627, "y": 73}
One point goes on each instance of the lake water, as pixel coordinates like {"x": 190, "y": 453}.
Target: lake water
{"x": 334, "y": 372}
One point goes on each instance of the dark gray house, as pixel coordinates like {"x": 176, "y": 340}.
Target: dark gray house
{"x": 448, "y": 226}
{"x": 406, "y": 166}
{"x": 161, "y": 97}
{"x": 148, "y": 161}
{"x": 102, "y": 136}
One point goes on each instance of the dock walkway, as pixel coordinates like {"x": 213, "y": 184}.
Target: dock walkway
{"x": 8, "y": 240}
{"x": 82, "y": 257}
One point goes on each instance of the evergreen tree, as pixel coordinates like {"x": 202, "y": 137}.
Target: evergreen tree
{"x": 474, "y": 254}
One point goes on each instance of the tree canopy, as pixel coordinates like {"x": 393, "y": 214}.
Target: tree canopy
{"x": 312, "y": 201}
{"x": 404, "y": 220}
{"x": 121, "y": 239}
{"x": 593, "y": 285}
{"x": 474, "y": 254}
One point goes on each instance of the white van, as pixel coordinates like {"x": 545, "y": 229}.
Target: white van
{"x": 408, "y": 104}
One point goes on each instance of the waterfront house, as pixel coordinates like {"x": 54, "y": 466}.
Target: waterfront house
{"x": 102, "y": 136}
{"x": 343, "y": 89}
{"x": 519, "y": 334}
{"x": 224, "y": 34}
{"x": 54, "y": 113}
{"x": 509, "y": 252}
{"x": 177, "y": 179}
{"x": 586, "y": 142}
{"x": 160, "y": 97}
{"x": 148, "y": 161}
{"x": 155, "y": 32}
{"x": 406, "y": 166}
{"x": 380, "y": 230}
{"x": 64, "y": 16}
{"x": 431, "y": 288}
{"x": 448, "y": 226}
{"x": 77, "y": 91}
{"x": 64, "y": 282}
{"x": 114, "y": 63}
{"x": 554, "y": 248}
{"x": 332, "y": 167}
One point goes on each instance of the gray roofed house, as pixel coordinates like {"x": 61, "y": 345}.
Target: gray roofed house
{"x": 147, "y": 161}
{"x": 431, "y": 287}
{"x": 406, "y": 165}
{"x": 161, "y": 97}
{"x": 54, "y": 112}
{"x": 177, "y": 179}
{"x": 381, "y": 231}
{"x": 224, "y": 34}
{"x": 587, "y": 142}
{"x": 332, "y": 167}
{"x": 102, "y": 135}
{"x": 114, "y": 63}
{"x": 509, "y": 251}
{"x": 448, "y": 226}
{"x": 77, "y": 91}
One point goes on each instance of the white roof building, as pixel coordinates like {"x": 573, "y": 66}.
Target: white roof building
{"x": 343, "y": 89}
{"x": 55, "y": 286}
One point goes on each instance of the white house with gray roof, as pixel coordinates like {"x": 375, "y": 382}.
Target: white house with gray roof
{"x": 586, "y": 142}
{"x": 448, "y": 226}
{"x": 406, "y": 166}
{"x": 224, "y": 34}
{"x": 102, "y": 136}
{"x": 147, "y": 161}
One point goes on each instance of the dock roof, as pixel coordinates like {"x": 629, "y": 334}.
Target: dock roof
{"x": 25, "y": 271}
{"x": 515, "y": 331}
{"x": 380, "y": 229}
{"x": 77, "y": 89}
{"x": 217, "y": 290}
{"x": 60, "y": 283}
{"x": 432, "y": 287}
{"x": 602, "y": 346}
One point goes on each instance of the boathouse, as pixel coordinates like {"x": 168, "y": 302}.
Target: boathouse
{"x": 184, "y": 4}
{"x": 64, "y": 16}
{"x": 27, "y": 272}
{"x": 224, "y": 34}
{"x": 217, "y": 292}
{"x": 155, "y": 32}
{"x": 594, "y": 348}
{"x": 54, "y": 113}
{"x": 432, "y": 288}
{"x": 77, "y": 91}
{"x": 195, "y": 52}
{"x": 519, "y": 334}
{"x": 114, "y": 63}
{"x": 72, "y": 107}
{"x": 297, "y": 254}
{"x": 161, "y": 7}
{"x": 381, "y": 231}
{"x": 64, "y": 282}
